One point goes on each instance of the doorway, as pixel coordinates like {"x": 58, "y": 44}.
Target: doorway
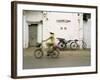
{"x": 33, "y": 35}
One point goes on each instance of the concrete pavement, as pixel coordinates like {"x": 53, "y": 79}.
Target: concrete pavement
{"x": 68, "y": 58}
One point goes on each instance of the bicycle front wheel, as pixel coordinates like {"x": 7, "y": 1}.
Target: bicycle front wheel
{"x": 38, "y": 53}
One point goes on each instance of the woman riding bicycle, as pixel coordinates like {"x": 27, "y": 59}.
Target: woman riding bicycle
{"x": 50, "y": 42}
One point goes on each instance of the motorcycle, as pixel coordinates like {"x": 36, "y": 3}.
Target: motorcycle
{"x": 52, "y": 51}
{"x": 69, "y": 44}
{"x": 74, "y": 45}
{"x": 63, "y": 43}
{"x": 77, "y": 45}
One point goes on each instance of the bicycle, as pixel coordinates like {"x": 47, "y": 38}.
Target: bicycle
{"x": 52, "y": 51}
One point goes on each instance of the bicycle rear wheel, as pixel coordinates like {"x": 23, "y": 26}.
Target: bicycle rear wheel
{"x": 55, "y": 53}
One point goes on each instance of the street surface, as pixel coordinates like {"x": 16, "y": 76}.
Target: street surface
{"x": 67, "y": 58}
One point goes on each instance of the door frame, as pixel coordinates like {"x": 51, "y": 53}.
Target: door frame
{"x": 38, "y": 23}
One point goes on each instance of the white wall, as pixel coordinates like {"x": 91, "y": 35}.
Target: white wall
{"x": 40, "y": 33}
{"x": 51, "y": 25}
{"x": 75, "y": 29}
{"x": 25, "y": 33}
{"x": 33, "y": 16}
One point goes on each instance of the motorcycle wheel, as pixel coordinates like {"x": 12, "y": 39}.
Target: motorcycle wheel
{"x": 55, "y": 53}
{"x": 74, "y": 45}
{"x": 38, "y": 53}
{"x": 61, "y": 45}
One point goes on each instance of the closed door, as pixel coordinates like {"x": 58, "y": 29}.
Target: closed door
{"x": 32, "y": 34}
